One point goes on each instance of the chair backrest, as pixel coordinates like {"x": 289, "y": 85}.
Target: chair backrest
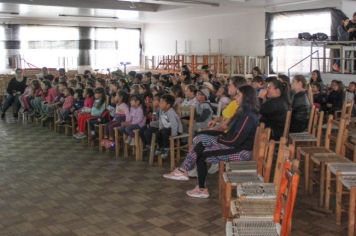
{"x": 310, "y": 95}
{"x": 188, "y": 111}
{"x": 340, "y": 137}
{"x": 311, "y": 119}
{"x": 319, "y": 127}
{"x": 261, "y": 133}
{"x": 286, "y": 197}
{"x": 329, "y": 128}
{"x": 346, "y": 110}
{"x": 266, "y": 161}
{"x": 284, "y": 153}
{"x": 287, "y": 124}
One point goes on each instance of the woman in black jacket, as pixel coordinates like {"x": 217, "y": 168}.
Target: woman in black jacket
{"x": 234, "y": 145}
{"x": 300, "y": 105}
{"x": 274, "y": 107}
{"x": 16, "y": 87}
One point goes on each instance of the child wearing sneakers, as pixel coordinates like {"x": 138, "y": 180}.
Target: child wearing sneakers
{"x": 64, "y": 111}
{"x": 137, "y": 119}
{"x": 169, "y": 124}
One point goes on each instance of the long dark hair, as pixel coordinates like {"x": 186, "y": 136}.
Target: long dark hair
{"x": 103, "y": 96}
{"x": 249, "y": 99}
{"x": 283, "y": 88}
{"x": 318, "y": 79}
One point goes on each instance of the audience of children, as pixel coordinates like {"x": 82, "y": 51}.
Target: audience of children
{"x": 152, "y": 104}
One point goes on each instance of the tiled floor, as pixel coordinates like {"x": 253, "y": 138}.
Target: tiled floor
{"x": 53, "y": 185}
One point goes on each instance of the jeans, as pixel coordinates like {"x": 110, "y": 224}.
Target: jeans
{"x": 10, "y": 100}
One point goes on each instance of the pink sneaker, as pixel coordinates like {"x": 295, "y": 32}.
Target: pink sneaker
{"x": 177, "y": 175}
{"x": 198, "y": 193}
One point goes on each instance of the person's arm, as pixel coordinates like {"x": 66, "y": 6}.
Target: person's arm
{"x": 243, "y": 129}
{"x": 10, "y": 87}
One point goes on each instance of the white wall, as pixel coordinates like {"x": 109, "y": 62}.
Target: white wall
{"x": 349, "y": 7}
{"x": 241, "y": 34}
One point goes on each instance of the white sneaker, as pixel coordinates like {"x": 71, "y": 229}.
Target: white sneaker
{"x": 198, "y": 193}
{"x": 213, "y": 169}
{"x": 193, "y": 173}
{"x": 177, "y": 175}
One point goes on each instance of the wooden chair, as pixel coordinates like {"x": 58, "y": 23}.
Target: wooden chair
{"x": 304, "y": 152}
{"x": 282, "y": 220}
{"x": 262, "y": 134}
{"x": 287, "y": 124}
{"x": 175, "y": 146}
{"x": 315, "y": 126}
{"x": 346, "y": 182}
{"x": 318, "y": 161}
{"x": 232, "y": 179}
{"x": 258, "y": 199}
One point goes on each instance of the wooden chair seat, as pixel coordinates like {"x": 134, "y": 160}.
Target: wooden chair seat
{"x": 327, "y": 158}
{"x": 242, "y": 166}
{"x": 303, "y": 138}
{"x": 348, "y": 182}
{"x": 250, "y": 208}
{"x": 342, "y": 168}
{"x": 238, "y": 178}
{"x": 253, "y": 227}
{"x": 256, "y": 191}
{"x": 313, "y": 150}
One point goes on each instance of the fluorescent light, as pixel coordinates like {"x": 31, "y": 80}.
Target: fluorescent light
{"x": 88, "y": 16}
{"x": 9, "y": 13}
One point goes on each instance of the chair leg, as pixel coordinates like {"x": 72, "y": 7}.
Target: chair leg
{"x": 172, "y": 153}
{"x": 338, "y": 201}
{"x": 352, "y": 212}
{"x": 117, "y": 143}
{"x": 327, "y": 187}
{"x": 152, "y": 149}
{"x": 137, "y": 145}
{"x": 227, "y": 201}
{"x": 101, "y": 137}
{"x": 311, "y": 176}
{"x": 126, "y": 147}
{"x": 306, "y": 173}
{"x": 323, "y": 184}
{"x": 160, "y": 161}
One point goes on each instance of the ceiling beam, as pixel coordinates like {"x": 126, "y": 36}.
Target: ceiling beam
{"x": 98, "y": 4}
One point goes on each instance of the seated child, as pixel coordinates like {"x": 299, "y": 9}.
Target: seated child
{"x": 203, "y": 110}
{"x": 169, "y": 124}
{"x": 154, "y": 122}
{"x": 351, "y": 96}
{"x": 318, "y": 97}
{"x": 335, "y": 98}
{"x": 96, "y": 111}
{"x": 64, "y": 111}
{"x": 78, "y": 100}
{"x": 122, "y": 113}
{"x": 137, "y": 119}
{"x": 222, "y": 98}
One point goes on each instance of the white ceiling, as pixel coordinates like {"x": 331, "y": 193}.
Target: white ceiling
{"x": 137, "y": 11}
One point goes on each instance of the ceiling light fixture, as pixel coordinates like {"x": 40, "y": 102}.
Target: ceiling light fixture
{"x": 194, "y": 2}
{"x": 9, "y": 13}
{"x": 87, "y": 16}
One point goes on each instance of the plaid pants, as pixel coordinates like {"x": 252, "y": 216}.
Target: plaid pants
{"x": 215, "y": 151}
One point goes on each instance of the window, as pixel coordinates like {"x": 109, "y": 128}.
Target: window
{"x": 50, "y": 46}
{"x": 287, "y": 50}
{"x": 113, "y": 46}
{"x": 2, "y": 48}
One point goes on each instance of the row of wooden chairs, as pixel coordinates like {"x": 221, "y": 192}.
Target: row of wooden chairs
{"x": 258, "y": 205}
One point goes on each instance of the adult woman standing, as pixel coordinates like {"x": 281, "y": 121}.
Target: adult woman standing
{"x": 233, "y": 145}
